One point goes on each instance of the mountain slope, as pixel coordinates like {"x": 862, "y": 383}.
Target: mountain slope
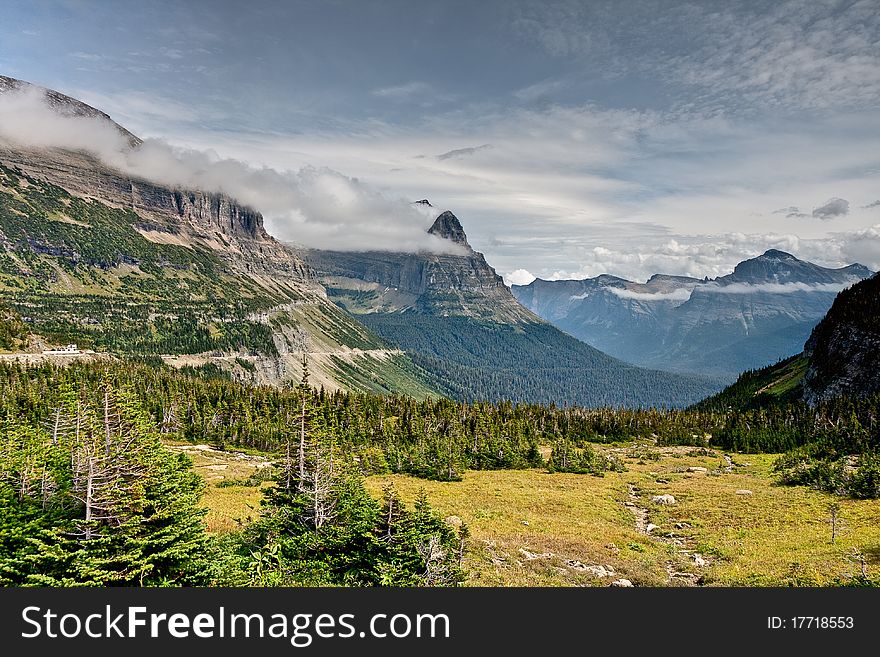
{"x": 764, "y": 310}
{"x": 841, "y": 358}
{"x": 453, "y": 314}
{"x": 93, "y": 256}
{"x": 844, "y": 348}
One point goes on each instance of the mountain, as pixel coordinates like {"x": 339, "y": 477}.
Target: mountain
{"x": 455, "y": 317}
{"x": 844, "y": 348}
{"x": 94, "y": 256}
{"x": 764, "y": 310}
{"x": 841, "y": 358}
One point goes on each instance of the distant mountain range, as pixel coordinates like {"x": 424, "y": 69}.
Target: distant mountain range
{"x": 763, "y": 311}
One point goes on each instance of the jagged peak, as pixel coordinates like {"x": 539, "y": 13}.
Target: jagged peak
{"x": 424, "y": 202}
{"x": 449, "y": 227}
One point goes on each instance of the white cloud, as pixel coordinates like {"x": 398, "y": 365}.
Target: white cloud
{"x": 519, "y": 277}
{"x": 314, "y": 206}
{"x": 775, "y": 288}
{"x": 711, "y": 256}
{"x": 681, "y": 294}
{"x": 420, "y": 93}
{"x": 538, "y": 90}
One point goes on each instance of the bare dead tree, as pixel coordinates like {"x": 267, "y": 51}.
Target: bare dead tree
{"x": 858, "y": 556}
{"x": 303, "y": 419}
{"x": 106, "y": 465}
{"x": 834, "y": 519}
{"x": 436, "y": 570}
{"x": 319, "y": 485}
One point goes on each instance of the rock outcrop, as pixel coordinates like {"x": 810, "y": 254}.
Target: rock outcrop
{"x": 844, "y": 348}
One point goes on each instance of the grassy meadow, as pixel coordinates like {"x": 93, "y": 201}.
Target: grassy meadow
{"x": 532, "y": 528}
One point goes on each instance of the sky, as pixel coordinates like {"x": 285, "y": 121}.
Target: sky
{"x": 570, "y": 138}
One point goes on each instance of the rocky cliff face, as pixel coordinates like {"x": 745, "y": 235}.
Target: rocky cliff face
{"x": 844, "y": 348}
{"x": 431, "y": 284}
{"x": 128, "y": 265}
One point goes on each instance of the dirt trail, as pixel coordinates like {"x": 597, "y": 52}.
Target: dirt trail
{"x": 644, "y": 526}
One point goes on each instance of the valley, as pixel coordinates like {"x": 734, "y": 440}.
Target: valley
{"x": 250, "y": 412}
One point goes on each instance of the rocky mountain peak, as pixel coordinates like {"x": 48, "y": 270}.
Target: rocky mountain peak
{"x": 449, "y": 227}
{"x": 776, "y": 254}
{"x": 776, "y": 266}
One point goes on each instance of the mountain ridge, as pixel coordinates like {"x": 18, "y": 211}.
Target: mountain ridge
{"x": 762, "y": 311}
{"x": 123, "y": 264}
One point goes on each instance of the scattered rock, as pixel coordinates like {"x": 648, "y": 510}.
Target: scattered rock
{"x": 696, "y": 468}
{"x": 663, "y": 499}
{"x": 622, "y": 583}
{"x": 662, "y": 481}
{"x": 629, "y": 504}
{"x": 531, "y": 556}
{"x": 596, "y": 571}
{"x": 682, "y": 525}
{"x": 455, "y": 521}
{"x": 743, "y": 491}
{"x": 651, "y": 527}
{"x": 699, "y": 562}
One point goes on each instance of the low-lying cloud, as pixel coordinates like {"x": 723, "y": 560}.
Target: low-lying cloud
{"x": 681, "y": 294}
{"x": 519, "y": 277}
{"x": 313, "y": 207}
{"x": 775, "y": 288}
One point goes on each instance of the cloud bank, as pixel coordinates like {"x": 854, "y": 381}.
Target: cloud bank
{"x": 776, "y": 288}
{"x": 315, "y": 207}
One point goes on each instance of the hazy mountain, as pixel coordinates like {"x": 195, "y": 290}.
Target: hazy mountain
{"x": 106, "y": 260}
{"x": 453, "y": 314}
{"x": 761, "y": 312}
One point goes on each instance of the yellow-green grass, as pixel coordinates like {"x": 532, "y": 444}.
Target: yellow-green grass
{"x": 777, "y": 535}
{"x": 577, "y": 518}
{"x": 229, "y": 506}
{"x": 532, "y": 528}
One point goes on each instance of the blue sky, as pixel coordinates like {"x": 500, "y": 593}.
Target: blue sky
{"x": 571, "y": 138}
